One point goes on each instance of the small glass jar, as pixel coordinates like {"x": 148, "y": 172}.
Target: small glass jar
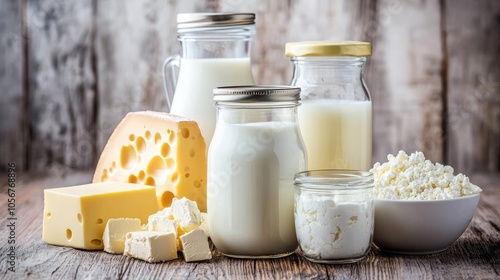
{"x": 254, "y": 155}
{"x": 336, "y": 113}
{"x": 334, "y": 215}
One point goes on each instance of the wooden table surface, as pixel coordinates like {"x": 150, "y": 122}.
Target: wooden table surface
{"x": 476, "y": 255}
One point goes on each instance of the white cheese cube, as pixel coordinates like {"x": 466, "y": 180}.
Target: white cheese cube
{"x": 163, "y": 223}
{"x": 195, "y": 246}
{"x": 159, "y": 223}
{"x": 204, "y": 224}
{"x": 186, "y": 212}
{"x": 151, "y": 246}
{"x": 115, "y": 231}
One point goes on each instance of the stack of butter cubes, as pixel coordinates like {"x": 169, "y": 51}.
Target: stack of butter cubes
{"x": 180, "y": 227}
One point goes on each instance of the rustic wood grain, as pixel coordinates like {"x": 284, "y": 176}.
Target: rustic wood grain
{"x": 12, "y": 128}
{"x": 132, "y": 42}
{"x": 61, "y": 88}
{"x": 476, "y": 255}
{"x": 405, "y": 79}
{"x": 473, "y": 84}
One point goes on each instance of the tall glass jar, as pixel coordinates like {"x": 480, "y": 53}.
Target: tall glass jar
{"x": 255, "y": 152}
{"x": 334, "y": 214}
{"x": 215, "y": 51}
{"x": 336, "y": 113}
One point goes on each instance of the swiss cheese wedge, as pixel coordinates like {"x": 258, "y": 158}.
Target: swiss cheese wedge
{"x": 157, "y": 149}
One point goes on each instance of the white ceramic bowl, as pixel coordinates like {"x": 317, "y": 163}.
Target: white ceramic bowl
{"x": 421, "y": 227}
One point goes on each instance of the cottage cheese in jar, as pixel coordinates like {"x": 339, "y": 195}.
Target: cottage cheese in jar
{"x": 334, "y": 215}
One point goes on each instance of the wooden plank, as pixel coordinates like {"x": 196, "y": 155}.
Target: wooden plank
{"x": 473, "y": 84}
{"x": 62, "y": 84}
{"x": 133, "y": 39}
{"x": 12, "y": 113}
{"x": 474, "y": 255}
{"x": 405, "y": 80}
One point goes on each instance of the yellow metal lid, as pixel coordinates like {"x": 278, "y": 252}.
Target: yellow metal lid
{"x": 328, "y": 48}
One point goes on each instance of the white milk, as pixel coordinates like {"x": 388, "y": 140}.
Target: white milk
{"x": 193, "y": 97}
{"x": 250, "y": 187}
{"x": 337, "y": 133}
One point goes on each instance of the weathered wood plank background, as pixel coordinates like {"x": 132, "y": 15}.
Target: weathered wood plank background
{"x": 72, "y": 69}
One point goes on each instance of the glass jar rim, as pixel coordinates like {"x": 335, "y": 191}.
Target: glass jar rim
{"x": 334, "y": 179}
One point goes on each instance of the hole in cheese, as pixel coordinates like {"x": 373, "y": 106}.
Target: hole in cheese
{"x": 79, "y": 217}
{"x": 166, "y": 198}
{"x": 140, "y": 144}
{"x": 157, "y": 138}
{"x": 131, "y": 137}
{"x": 150, "y": 182}
{"x": 99, "y": 221}
{"x": 148, "y": 134}
{"x": 197, "y": 184}
{"x": 157, "y": 169}
{"x": 187, "y": 175}
{"x": 142, "y": 175}
{"x": 165, "y": 150}
{"x": 171, "y": 137}
{"x": 69, "y": 234}
{"x": 132, "y": 179}
{"x": 128, "y": 158}
{"x": 49, "y": 214}
{"x": 191, "y": 152}
{"x": 175, "y": 178}
{"x": 185, "y": 132}
{"x": 104, "y": 176}
{"x": 170, "y": 164}
{"x": 96, "y": 242}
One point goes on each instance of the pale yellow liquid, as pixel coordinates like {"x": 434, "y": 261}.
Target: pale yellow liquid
{"x": 337, "y": 133}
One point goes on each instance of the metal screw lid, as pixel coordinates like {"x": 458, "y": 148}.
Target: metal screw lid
{"x": 328, "y": 48}
{"x": 193, "y": 21}
{"x": 249, "y": 94}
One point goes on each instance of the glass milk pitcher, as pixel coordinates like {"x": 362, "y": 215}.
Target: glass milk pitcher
{"x": 215, "y": 51}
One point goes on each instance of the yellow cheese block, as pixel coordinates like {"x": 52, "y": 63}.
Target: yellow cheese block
{"x": 160, "y": 150}
{"x": 76, "y": 216}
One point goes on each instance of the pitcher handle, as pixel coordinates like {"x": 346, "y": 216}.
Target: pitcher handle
{"x": 170, "y": 74}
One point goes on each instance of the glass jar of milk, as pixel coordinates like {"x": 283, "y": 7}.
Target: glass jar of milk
{"x": 336, "y": 113}
{"x": 334, "y": 214}
{"x": 255, "y": 152}
{"x": 215, "y": 51}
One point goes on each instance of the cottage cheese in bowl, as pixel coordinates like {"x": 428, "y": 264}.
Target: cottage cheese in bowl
{"x": 420, "y": 207}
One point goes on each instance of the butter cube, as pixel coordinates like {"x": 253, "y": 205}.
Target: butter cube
{"x": 115, "y": 231}
{"x": 195, "y": 246}
{"x": 186, "y": 212}
{"x": 151, "y": 246}
{"x": 76, "y": 216}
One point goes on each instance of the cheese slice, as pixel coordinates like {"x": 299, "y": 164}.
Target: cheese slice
{"x": 160, "y": 150}
{"x": 76, "y": 216}
{"x": 151, "y": 246}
